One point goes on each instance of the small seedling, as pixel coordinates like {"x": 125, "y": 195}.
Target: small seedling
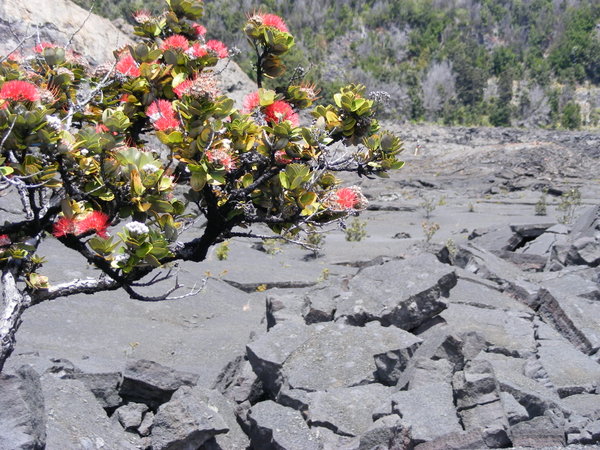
{"x": 569, "y": 202}
{"x": 357, "y": 230}
{"x": 271, "y": 246}
{"x": 429, "y": 228}
{"x": 452, "y": 248}
{"x": 222, "y": 251}
{"x": 324, "y": 275}
{"x": 428, "y": 205}
{"x": 316, "y": 241}
{"x": 541, "y": 207}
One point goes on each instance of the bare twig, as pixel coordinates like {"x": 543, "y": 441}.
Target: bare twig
{"x": 166, "y": 296}
{"x": 70, "y": 41}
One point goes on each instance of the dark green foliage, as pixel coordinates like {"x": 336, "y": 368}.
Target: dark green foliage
{"x": 389, "y": 45}
{"x": 571, "y": 116}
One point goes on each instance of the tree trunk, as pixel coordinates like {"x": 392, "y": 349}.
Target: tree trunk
{"x": 13, "y": 305}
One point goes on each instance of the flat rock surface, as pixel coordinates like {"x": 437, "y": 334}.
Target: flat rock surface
{"x": 275, "y": 426}
{"x": 385, "y": 293}
{"x": 325, "y": 356}
{"x": 507, "y": 332}
{"x": 100, "y": 333}
{"x": 347, "y": 411}
{"x": 76, "y": 419}
{"x": 429, "y": 409}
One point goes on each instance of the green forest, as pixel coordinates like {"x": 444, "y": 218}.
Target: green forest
{"x": 528, "y": 63}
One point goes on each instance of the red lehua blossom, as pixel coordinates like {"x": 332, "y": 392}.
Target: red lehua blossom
{"x": 251, "y": 102}
{"x": 222, "y": 157}
{"x": 4, "y": 240}
{"x": 19, "y": 91}
{"x": 15, "y": 56}
{"x": 272, "y": 20}
{"x": 199, "y": 29}
{"x": 142, "y": 16}
{"x": 281, "y": 157}
{"x": 128, "y": 66}
{"x": 162, "y": 115}
{"x": 279, "y": 111}
{"x": 218, "y": 47}
{"x": 43, "y": 45}
{"x": 196, "y": 51}
{"x": 101, "y": 128}
{"x": 346, "y": 198}
{"x": 175, "y": 42}
{"x": 95, "y": 221}
{"x": 182, "y": 87}
{"x": 63, "y": 226}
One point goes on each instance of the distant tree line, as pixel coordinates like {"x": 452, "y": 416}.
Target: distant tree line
{"x": 473, "y": 62}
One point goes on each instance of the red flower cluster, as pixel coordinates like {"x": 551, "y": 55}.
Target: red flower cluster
{"x": 128, "y": 66}
{"x": 218, "y": 47}
{"x": 4, "y": 240}
{"x": 95, "y": 221}
{"x": 346, "y": 198}
{"x": 204, "y": 85}
{"x": 272, "y": 20}
{"x": 279, "y": 111}
{"x": 162, "y": 115}
{"x": 269, "y": 20}
{"x": 276, "y": 112}
{"x": 196, "y": 51}
{"x": 43, "y": 45}
{"x": 199, "y": 29}
{"x": 222, "y": 157}
{"x": 142, "y": 16}
{"x": 19, "y": 91}
{"x": 175, "y": 42}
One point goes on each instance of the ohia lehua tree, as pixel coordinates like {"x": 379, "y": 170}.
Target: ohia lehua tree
{"x": 74, "y": 152}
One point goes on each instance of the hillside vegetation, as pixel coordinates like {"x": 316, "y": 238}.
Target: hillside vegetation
{"x": 473, "y": 62}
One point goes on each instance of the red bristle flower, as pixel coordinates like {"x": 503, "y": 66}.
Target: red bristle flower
{"x": 95, "y": 221}
{"x": 175, "y": 42}
{"x": 19, "y": 91}
{"x": 218, "y": 47}
{"x": 4, "y": 240}
{"x": 196, "y": 51}
{"x": 281, "y": 157}
{"x": 63, "y": 226}
{"x": 142, "y": 16}
{"x": 43, "y": 45}
{"x": 346, "y": 198}
{"x": 162, "y": 115}
{"x": 128, "y": 66}
{"x": 272, "y": 20}
{"x": 199, "y": 29}
{"x": 279, "y": 111}
{"x": 182, "y": 87}
{"x": 222, "y": 157}
{"x": 251, "y": 102}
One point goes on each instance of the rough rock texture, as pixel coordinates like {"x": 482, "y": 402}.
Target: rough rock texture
{"x": 276, "y": 427}
{"x": 22, "y": 413}
{"x": 105, "y": 386}
{"x": 346, "y": 411}
{"x": 151, "y": 383}
{"x": 429, "y": 410}
{"x": 57, "y": 21}
{"x": 477, "y": 394}
{"x": 386, "y": 294}
{"x": 319, "y": 357}
{"x": 130, "y": 415}
{"x": 185, "y": 422}
{"x": 77, "y": 420}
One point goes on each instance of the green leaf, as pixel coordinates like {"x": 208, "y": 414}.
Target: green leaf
{"x": 307, "y": 199}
